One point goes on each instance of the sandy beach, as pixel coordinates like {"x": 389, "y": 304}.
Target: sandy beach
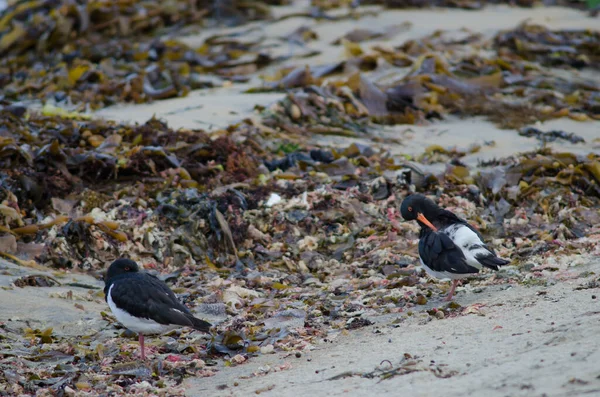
{"x": 513, "y": 340}
{"x": 518, "y": 341}
{"x": 529, "y": 330}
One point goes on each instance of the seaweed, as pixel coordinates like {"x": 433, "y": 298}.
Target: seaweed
{"x": 551, "y": 136}
{"x": 278, "y": 237}
{"x": 102, "y": 53}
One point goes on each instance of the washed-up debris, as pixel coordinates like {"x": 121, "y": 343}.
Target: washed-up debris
{"x": 180, "y": 221}
{"x": 537, "y": 43}
{"x": 551, "y": 136}
{"x": 283, "y": 243}
{"x": 360, "y": 35}
{"x": 445, "y": 77}
{"x": 292, "y": 159}
{"x": 408, "y": 364}
{"x": 84, "y": 53}
{"x": 53, "y": 364}
{"x": 468, "y": 4}
{"x": 63, "y": 20}
{"x": 284, "y": 258}
{"x": 299, "y": 77}
{"x": 37, "y": 280}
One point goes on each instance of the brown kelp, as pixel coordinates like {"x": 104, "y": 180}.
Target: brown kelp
{"x": 101, "y": 53}
{"x": 444, "y": 77}
{"x": 282, "y": 240}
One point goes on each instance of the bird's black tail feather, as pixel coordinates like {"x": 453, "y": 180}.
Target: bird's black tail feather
{"x": 199, "y": 325}
{"x": 493, "y": 262}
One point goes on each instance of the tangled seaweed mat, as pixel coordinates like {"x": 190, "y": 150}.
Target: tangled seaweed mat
{"x": 101, "y": 53}
{"x": 283, "y": 243}
{"x": 504, "y": 79}
{"x": 98, "y": 54}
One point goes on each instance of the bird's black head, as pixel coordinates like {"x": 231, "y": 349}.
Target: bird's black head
{"x": 419, "y": 207}
{"x": 121, "y": 266}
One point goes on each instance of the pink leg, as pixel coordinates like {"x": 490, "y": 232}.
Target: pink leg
{"x": 454, "y": 284}
{"x": 141, "y": 338}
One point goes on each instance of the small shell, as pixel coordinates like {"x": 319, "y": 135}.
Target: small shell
{"x": 295, "y": 112}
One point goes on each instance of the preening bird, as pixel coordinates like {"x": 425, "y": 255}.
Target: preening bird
{"x": 144, "y": 304}
{"x": 448, "y": 246}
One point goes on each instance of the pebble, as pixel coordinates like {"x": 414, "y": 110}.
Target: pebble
{"x": 238, "y": 358}
{"x": 295, "y": 112}
{"x": 528, "y": 266}
{"x": 268, "y": 349}
{"x": 273, "y": 200}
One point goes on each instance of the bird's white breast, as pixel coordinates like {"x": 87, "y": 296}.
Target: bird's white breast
{"x": 136, "y": 324}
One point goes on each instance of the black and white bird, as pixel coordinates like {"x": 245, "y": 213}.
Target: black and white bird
{"x": 144, "y": 304}
{"x": 448, "y": 246}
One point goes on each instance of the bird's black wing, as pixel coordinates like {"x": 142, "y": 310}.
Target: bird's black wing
{"x": 160, "y": 285}
{"x": 489, "y": 260}
{"x": 440, "y": 254}
{"x": 148, "y": 297}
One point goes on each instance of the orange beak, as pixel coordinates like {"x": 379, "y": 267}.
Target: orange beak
{"x": 424, "y": 220}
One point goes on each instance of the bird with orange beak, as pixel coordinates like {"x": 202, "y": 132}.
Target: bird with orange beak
{"x": 449, "y": 248}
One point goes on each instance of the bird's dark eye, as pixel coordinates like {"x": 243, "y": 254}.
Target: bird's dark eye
{"x": 410, "y": 209}
{"x": 127, "y": 268}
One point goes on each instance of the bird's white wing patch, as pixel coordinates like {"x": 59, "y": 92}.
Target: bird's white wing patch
{"x": 462, "y": 236}
{"x": 469, "y": 243}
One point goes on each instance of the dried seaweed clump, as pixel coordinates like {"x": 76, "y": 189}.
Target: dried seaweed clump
{"x": 46, "y": 25}
{"x": 65, "y": 178}
{"x": 445, "y": 77}
{"x": 288, "y": 251}
{"x": 578, "y": 49}
{"x": 469, "y": 4}
{"x": 543, "y": 196}
{"x": 44, "y": 362}
{"x": 102, "y": 53}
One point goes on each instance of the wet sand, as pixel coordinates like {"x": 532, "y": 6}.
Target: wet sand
{"x": 44, "y": 307}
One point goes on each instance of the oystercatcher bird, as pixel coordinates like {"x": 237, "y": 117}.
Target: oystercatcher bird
{"x": 448, "y": 246}
{"x": 143, "y": 303}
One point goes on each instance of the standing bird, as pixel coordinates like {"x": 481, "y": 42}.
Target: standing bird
{"x": 448, "y": 246}
{"x": 143, "y": 303}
